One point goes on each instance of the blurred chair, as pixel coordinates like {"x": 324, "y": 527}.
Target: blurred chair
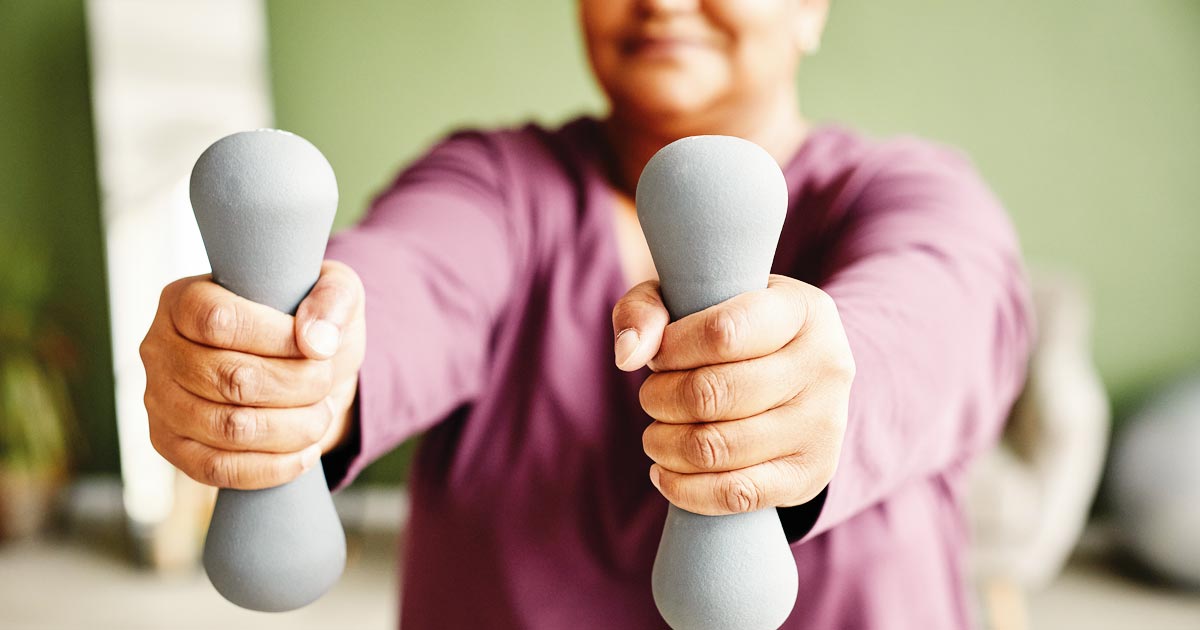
{"x": 1030, "y": 496}
{"x": 1153, "y": 484}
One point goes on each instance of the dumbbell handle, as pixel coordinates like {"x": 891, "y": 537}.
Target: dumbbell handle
{"x": 712, "y": 208}
{"x": 264, "y": 201}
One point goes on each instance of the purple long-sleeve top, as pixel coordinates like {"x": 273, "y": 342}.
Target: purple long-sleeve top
{"x": 491, "y": 269}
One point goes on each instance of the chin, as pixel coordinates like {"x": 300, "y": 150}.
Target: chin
{"x": 673, "y": 104}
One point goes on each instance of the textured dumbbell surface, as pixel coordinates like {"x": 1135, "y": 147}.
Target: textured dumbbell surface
{"x": 265, "y": 201}
{"x": 712, "y": 208}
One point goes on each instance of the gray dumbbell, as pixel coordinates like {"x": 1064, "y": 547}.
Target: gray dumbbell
{"x": 264, "y": 201}
{"x": 712, "y": 209}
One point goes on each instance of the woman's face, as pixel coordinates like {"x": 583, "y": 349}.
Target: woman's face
{"x": 692, "y": 60}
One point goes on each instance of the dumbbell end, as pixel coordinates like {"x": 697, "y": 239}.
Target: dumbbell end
{"x": 276, "y": 549}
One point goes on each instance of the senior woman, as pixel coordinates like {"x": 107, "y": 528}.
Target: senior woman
{"x": 474, "y": 303}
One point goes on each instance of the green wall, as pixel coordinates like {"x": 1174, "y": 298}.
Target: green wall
{"x": 1085, "y": 117}
{"x": 50, "y": 234}
{"x": 374, "y": 82}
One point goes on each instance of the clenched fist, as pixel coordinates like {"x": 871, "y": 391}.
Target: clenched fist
{"x": 243, "y": 396}
{"x": 749, "y": 397}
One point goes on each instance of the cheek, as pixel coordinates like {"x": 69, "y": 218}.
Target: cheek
{"x": 760, "y": 35}
{"x": 601, "y": 22}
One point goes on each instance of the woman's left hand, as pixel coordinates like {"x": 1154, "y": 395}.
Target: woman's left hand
{"x": 749, "y": 397}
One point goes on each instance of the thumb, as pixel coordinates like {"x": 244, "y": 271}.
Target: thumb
{"x": 638, "y": 322}
{"x": 332, "y": 304}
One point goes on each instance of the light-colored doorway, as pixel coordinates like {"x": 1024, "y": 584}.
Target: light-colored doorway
{"x": 168, "y": 78}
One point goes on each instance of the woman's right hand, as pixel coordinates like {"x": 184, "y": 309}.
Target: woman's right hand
{"x": 243, "y": 396}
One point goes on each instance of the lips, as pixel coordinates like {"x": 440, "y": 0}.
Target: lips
{"x": 663, "y": 45}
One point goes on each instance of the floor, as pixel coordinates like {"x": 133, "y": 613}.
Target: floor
{"x": 1092, "y": 594}
{"x": 69, "y": 586}
{"x": 82, "y": 581}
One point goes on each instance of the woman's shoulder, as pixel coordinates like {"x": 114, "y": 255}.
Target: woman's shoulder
{"x": 846, "y": 183}
{"x": 528, "y": 149}
{"x": 847, "y": 166}
{"x": 841, "y": 151}
{"x": 513, "y": 166}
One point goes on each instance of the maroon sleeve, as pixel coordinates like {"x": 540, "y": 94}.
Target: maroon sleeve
{"x": 436, "y": 255}
{"x": 926, "y": 272}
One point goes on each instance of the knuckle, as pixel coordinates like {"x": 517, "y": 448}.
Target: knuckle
{"x": 829, "y": 471}
{"x": 649, "y": 443}
{"x": 831, "y": 446}
{"x": 706, "y": 393}
{"x": 670, "y": 492}
{"x": 623, "y": 313}
{"x": 807, "y": 481}
{"x": 818, "y": 479}
{"x": 168, "y": 290}
{"x": 341, "y": 271}
{"x": 814, "y": 305}
{"x": 170, "y": 293}
{"x": 635, "y": 305}
{"x": 218, "y": 469}
{"x": 726, "y": 331}
{"x": 239, "y": 383}
{"x": 153, "y": 417}
{"x": 332, "y": 293}
{"x": 821, "y": 301}
{"x": 844, "y": 368}
{"x": 338, "y": 284}
{"x": 165, "y": 448}
{"x": 707, "y": 448}
{"x": 737, "y": 493}
{"x": 217, "y": 323}
{"x": 149, "y": 350}
{"x": 239, "y": 425}
{"x": 156, "y": 440}
{"x": 649, "y": 394}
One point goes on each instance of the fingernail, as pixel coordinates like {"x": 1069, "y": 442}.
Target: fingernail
{"x": 310, "y": 456}
{"x": 654, "y": 475}
{"x": 324, "y": 337}
{"x": 625, "y": 345}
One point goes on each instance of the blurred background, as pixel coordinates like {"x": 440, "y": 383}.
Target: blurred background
{"x": 1084, "y": 117}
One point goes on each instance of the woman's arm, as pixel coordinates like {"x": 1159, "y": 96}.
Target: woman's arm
{"x": 437, "y": 257}
{"x": 926, "y": 272}
{"x": 823, "y": 400}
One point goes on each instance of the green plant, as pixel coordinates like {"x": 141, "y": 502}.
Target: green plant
{"x": 35, "y": 411}
{"x": 36, "y": 415}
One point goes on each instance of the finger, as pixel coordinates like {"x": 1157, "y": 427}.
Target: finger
{"x": 235, "y": 428}
{"x": 237, "y": 378}
{"x": 210, "y": 315}
{"x": 639, "y": 318}
{"x": 727, "y": 391}
{"x": 331, "y": 305}
{"x": 781, "y": 482}
{"x": 240, "y": 470}
{"x": 746, "y": 326}
{"x": 735, "y": 444}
